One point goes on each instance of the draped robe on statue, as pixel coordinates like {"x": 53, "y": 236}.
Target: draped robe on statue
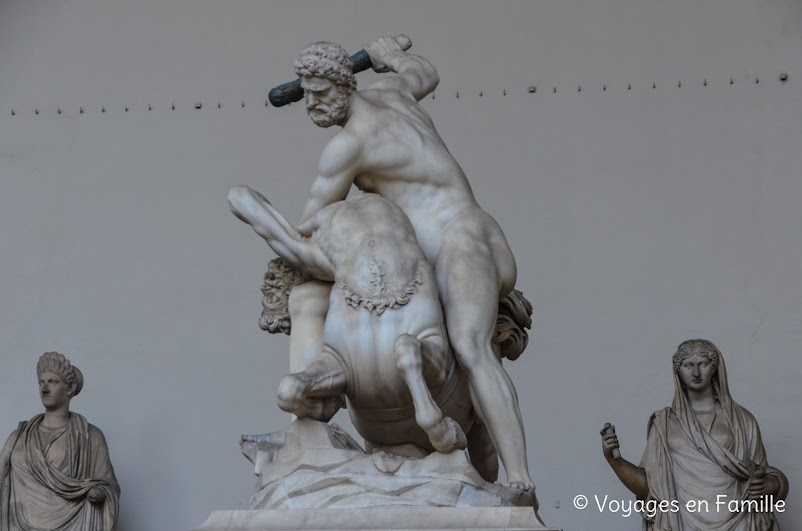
{"x": 45, "y": 475}
{"x": 687, "y": 459}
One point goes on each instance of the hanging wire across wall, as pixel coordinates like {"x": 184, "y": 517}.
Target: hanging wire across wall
{"x": 782, "y": 78}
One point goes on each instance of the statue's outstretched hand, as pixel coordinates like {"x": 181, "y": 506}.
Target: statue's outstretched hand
{"x": 96, "y": 495}
{"x": 610, "y": 442}
{"x": 383, "y": 50}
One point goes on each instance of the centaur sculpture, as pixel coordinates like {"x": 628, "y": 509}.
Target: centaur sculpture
{"x": 385, "y": 345}
{"x": 396, "y": 258}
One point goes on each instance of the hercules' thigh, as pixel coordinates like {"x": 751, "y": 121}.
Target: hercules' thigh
{"x": 474, "y": 249}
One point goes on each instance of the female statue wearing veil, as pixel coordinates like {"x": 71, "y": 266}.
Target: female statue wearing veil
{"x": 704, "y": 448}
{"x": 55, "y": 472}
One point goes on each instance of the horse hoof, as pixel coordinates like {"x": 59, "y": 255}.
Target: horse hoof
{"x": 450, "y": 436}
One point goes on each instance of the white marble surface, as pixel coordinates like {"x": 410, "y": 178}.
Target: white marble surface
{"x": 377, "y": 518}
{"x": 313, "y": 465}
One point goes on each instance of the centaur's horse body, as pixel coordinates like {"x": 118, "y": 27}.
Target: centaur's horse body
{"x": 371, "y": 336}
{"x": 385, "y": 345}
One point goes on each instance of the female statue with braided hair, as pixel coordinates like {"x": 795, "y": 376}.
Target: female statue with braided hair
{"x": 55, "y": 472}
{"x": 705, "y": 449}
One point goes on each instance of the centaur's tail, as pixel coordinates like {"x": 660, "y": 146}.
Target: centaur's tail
{"x": 514, "y": 315}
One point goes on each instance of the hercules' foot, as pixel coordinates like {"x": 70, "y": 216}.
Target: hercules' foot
{"x": 521, "y": 485}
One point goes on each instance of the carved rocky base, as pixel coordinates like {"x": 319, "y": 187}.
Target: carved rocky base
{"x": 315, "y": 476}
{"x": 377, "y": 518}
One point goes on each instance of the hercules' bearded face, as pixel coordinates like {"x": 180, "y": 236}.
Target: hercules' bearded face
{"x": 326, "y": 101}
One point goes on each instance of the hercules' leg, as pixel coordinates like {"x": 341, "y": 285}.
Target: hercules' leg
{"x": 474, "y": 268}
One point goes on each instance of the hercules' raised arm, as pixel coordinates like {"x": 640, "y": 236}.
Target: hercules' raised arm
{"x": 416, "y": 73}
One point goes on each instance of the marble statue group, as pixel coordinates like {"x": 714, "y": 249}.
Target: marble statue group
{"x": 415, "y": 240}
{"x": 400, "y": 303}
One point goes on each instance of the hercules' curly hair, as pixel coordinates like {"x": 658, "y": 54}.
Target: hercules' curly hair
{"x": 60, "y": 365}
{"x": 329, "y": 61}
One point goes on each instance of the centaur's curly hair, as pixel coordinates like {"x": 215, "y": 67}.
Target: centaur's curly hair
{"x": 329, "y": 61}
{"x": 278, "y": 281}
{"x": 60, "y": 365}
{"x": 514, "y": 316}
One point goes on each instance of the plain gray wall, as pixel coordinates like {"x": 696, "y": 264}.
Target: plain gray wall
{"x": 639, "y": 217}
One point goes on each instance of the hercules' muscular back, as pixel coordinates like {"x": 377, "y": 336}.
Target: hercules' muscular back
{"x": 404, "y": 159}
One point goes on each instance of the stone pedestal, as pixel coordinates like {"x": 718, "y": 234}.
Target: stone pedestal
{"x": 315, "y": 476}
{"x": 377, "y": 518}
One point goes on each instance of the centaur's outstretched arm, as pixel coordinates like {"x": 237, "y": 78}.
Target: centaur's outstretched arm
{"x": 254, "y": 209}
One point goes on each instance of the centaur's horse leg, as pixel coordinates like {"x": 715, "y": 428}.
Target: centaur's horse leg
{"x": 444, "y": 433}
{"x": 315, "y": 392}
